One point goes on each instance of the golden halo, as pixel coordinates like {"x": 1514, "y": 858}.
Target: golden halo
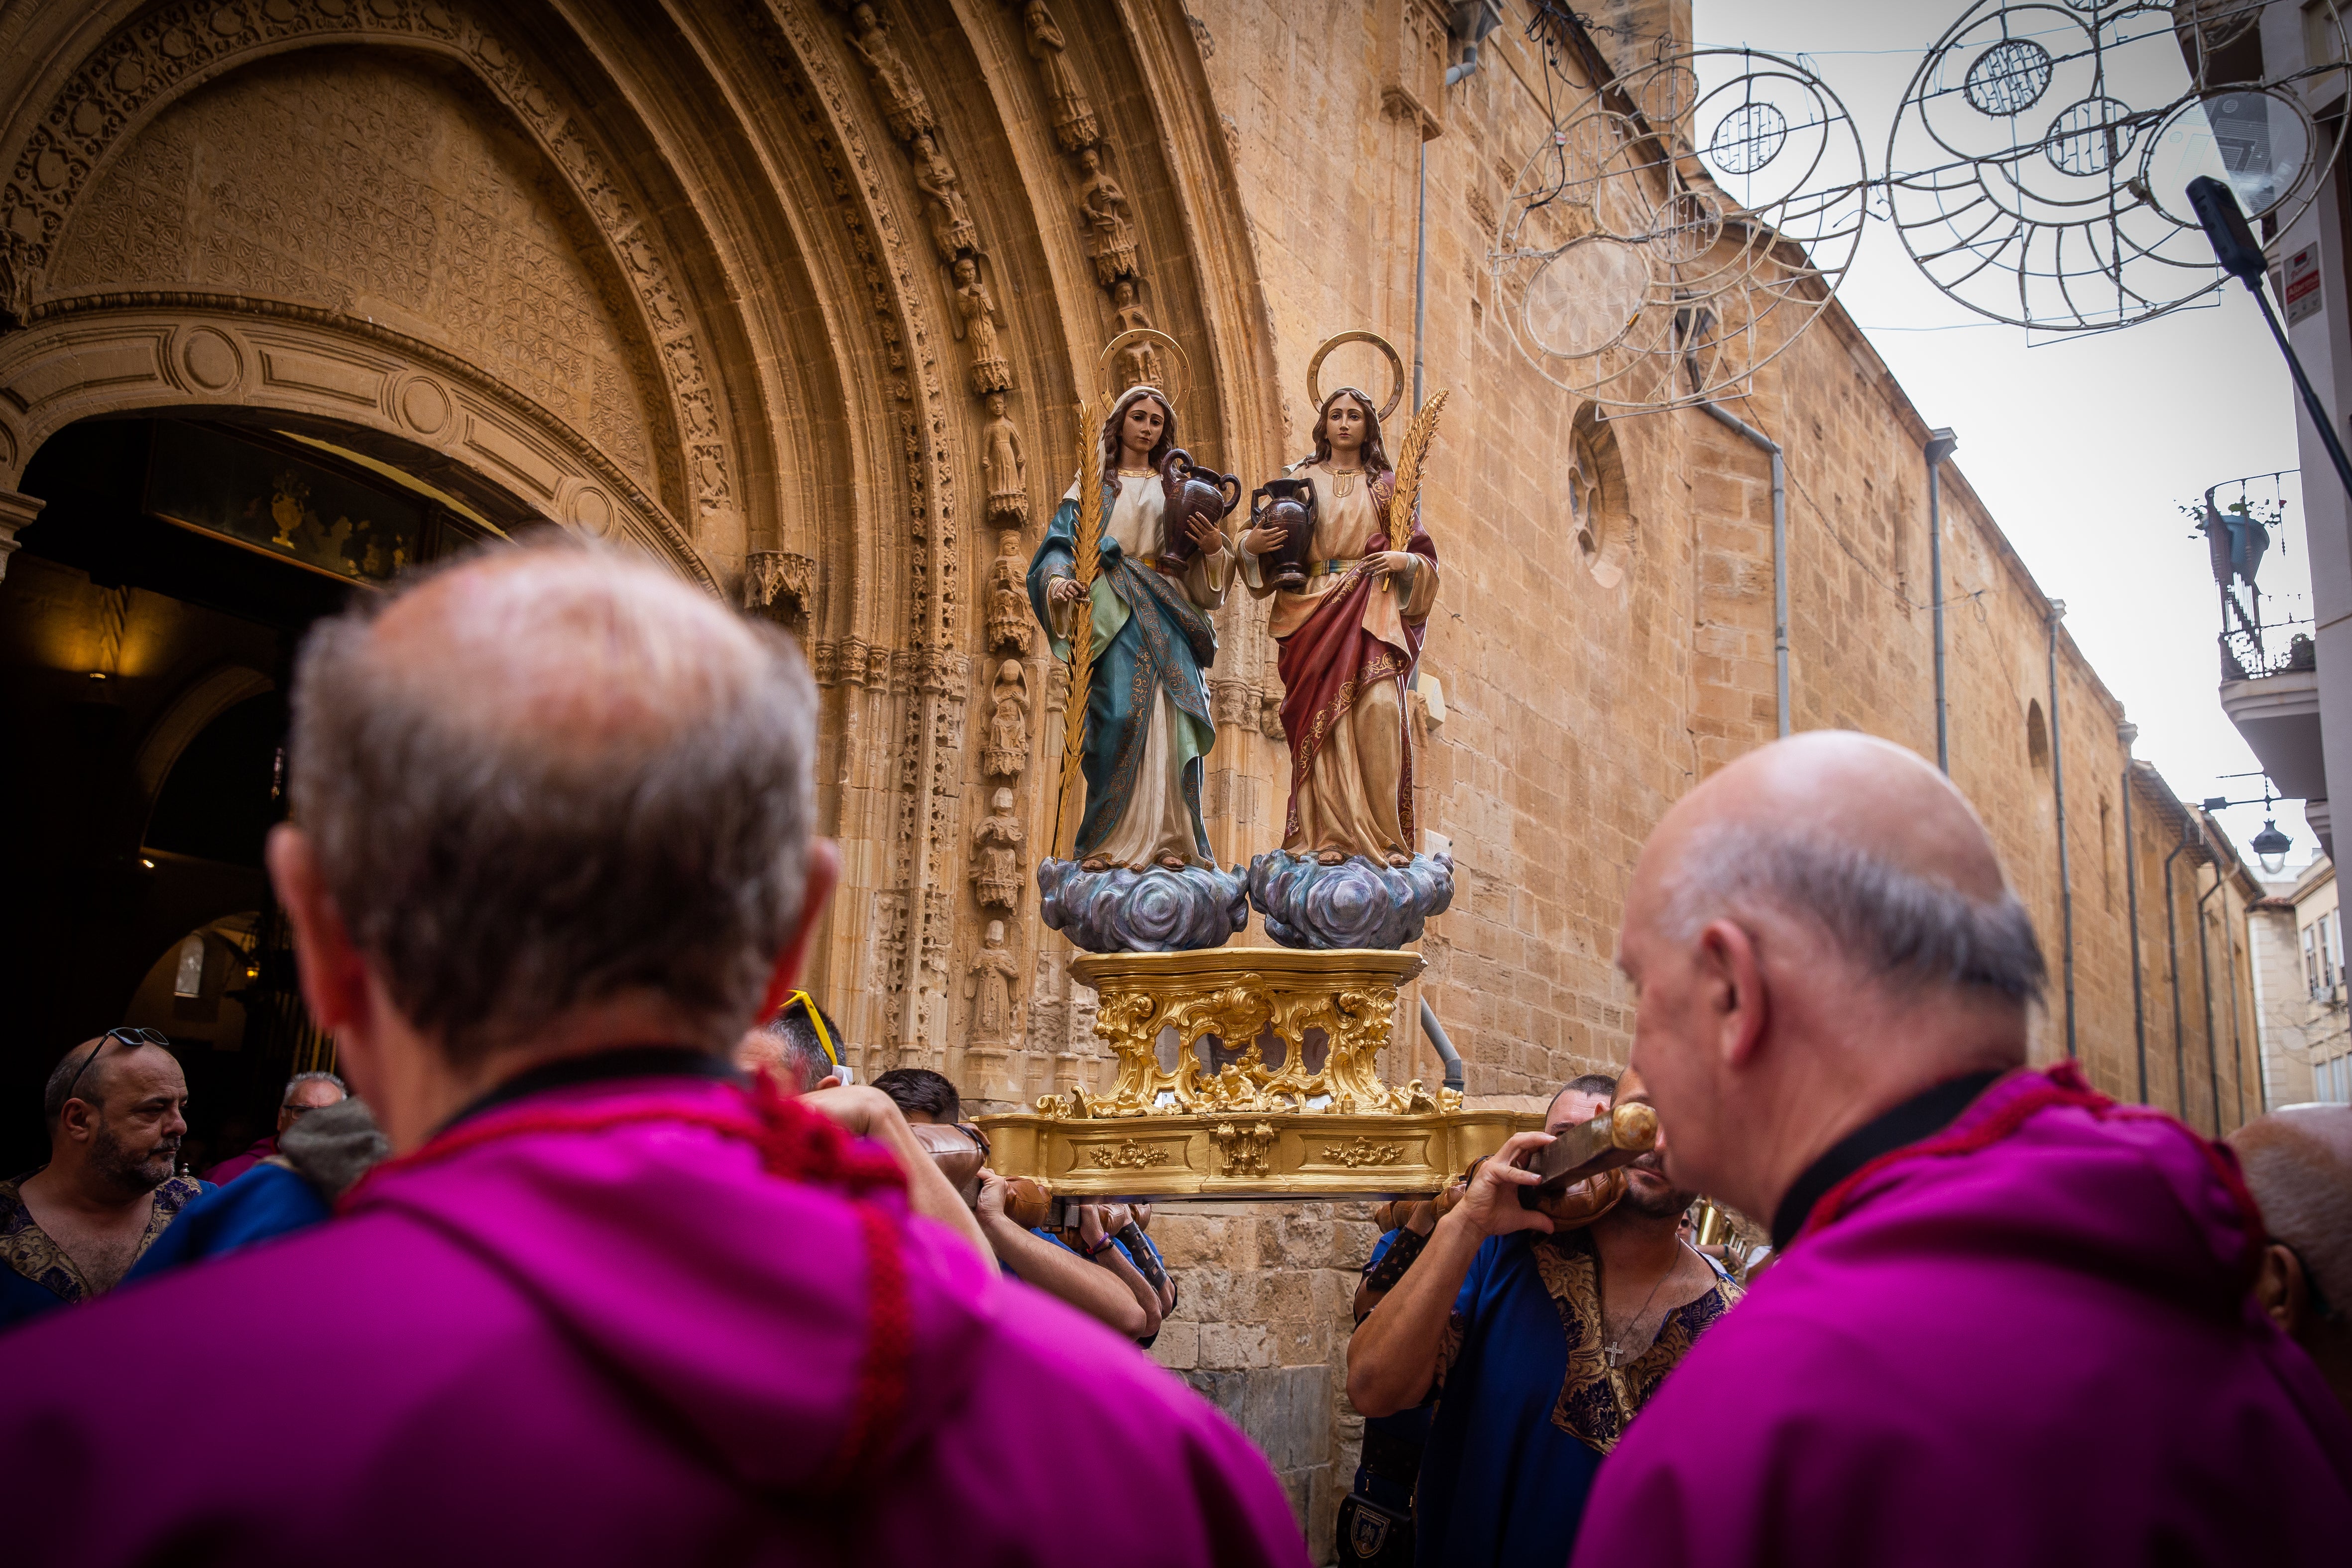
{"x": 1179, "y": 368}
{"x": 1396, "y": 368}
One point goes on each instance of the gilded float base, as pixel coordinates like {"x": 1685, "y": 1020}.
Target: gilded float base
{"x": 1274, "y": 1091}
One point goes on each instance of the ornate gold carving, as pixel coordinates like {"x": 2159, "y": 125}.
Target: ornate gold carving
{"x": 1127, "y": 1155}
{"x": 1243, "y": 1150}
{"x": 1363, "y": 1152}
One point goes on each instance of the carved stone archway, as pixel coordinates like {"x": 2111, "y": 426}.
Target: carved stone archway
{"x": 344, "y": 374}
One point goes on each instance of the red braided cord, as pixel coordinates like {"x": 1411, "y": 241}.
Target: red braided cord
{"x": 796, "y": 1144}
{"x": 2064, "y": 1084}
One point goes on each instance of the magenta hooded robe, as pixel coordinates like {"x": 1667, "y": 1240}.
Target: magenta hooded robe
{"x": 645, "y": 1321}
{"x": 2027, "y": 1339}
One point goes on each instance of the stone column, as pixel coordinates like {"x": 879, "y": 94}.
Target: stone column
{"x": 15, "y": 512}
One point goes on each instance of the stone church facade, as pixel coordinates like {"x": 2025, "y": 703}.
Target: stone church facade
{"x": 802, "y": 300}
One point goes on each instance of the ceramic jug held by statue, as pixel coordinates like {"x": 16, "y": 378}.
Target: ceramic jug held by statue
{"x": 1191, "y": 491}
{"x": 1288, "y": 505}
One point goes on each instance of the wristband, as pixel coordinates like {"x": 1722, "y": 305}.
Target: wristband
{"x": 1105, "y": 1245}
{"x": 1146, "y": 1255}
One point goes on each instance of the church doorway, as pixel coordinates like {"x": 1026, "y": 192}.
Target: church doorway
{"x": 148, "y": 627}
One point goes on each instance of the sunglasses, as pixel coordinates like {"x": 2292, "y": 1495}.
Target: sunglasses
{"x": 134, "y": 1038}
{"x": 824, "y": 1036}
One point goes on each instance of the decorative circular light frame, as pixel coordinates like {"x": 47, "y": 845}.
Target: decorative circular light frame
{"x": 1668, "y": 238}
{"x": 2051, "y": 141}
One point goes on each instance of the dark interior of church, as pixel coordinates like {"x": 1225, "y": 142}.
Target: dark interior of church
{"x": 148, "y": 627}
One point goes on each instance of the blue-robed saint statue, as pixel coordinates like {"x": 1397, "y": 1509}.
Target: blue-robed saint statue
{"x": 1147, "y": 712}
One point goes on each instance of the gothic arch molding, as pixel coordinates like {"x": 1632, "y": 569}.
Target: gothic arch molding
{"x": 227, "y": 360}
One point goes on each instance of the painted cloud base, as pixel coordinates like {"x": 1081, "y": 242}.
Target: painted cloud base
{"x": 1357, "y": 903}
{"x": 1159, "y": 910}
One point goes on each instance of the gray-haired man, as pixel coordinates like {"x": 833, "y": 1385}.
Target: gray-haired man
{"x": 305, "y": 1092}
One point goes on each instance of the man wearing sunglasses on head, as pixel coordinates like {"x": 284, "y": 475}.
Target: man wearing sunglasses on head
{"x": 117, "y": 1108}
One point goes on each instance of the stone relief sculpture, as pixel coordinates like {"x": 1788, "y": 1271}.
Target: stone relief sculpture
{"x": 903, "y": 103}
{"x": 953, "y": 230}
{"x": 1009, "y": 626}
{"x": 1072, "y": 115}
{"x": 1006, "y": 469}
{"x": 1347, "y": 635}
{"x": 989, "y": 987}
{"x": 996, "y": 873}
{"x": 976, "y": 320}
{"x": 1102, "y": 207}
{"x": 1007, "y": 751}
{"x": 1138, "y": 362}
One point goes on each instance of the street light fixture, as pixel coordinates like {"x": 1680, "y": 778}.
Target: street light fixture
{"x": 2270, "y": 845}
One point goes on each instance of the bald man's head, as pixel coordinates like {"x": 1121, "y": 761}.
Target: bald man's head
{"x": 1815, "y": 934}
{"x": 552, "y": 774}
{"x": 2298, "y": 1165}
{"x": 1865, "y": 840}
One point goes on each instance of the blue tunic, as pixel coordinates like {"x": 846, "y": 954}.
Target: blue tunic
{"x": 1500, "y": 1482}
{"x": 266, "y": 1201}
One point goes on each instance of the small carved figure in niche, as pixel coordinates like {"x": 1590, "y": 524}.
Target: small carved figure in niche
{"x": 1007, "y": 470}
{"x": 1007, "y": 751}
{"x": 951, "y": 227}
{"x": 1138, "y": 362}
{"x": 996, "y": 855}
{"x": 989, "y": 984}
{"x": 1009, "y": 623}
{"x": 1073, "y": 116}
{"x": 1102, "y": 207}
{"x": 903, "y": 103}
{"x": 977, "y": 319}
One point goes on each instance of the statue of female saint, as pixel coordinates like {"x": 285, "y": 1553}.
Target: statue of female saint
{"x": 1348, "y": 641}
{"x": 1147, "y": 717}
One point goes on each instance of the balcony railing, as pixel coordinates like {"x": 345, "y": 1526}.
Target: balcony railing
{"x": 2251, "y": 652}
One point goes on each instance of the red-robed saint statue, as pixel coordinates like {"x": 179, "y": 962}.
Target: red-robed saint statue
{"x": 1347, "y": 642}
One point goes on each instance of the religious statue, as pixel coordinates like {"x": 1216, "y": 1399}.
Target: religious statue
{"x": 1138, "y": 362}
{"x": 977, "y": 319}
{"x": 1102, "y": 207}
{"x": 953, "y": 230}
{"x": 1006, "y": 469}
{"x": 1008, "y": 602}
{"x": 1007, "y": 751}
{"x": 996, "y": 855}
{"x": 1146, "y": 719}
{"x": 1347, "y": 641}
{"x": 989, "y": 984}
{"x": 903, "y": 103}
{"x": 1066, "y": 106}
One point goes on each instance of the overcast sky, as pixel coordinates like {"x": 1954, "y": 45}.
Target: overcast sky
{"x": 2082, "y": 448}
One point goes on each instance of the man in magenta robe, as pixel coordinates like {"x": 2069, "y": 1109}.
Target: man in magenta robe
{"x": 605, "y": 1304}
{"x": 2011, "y": 1321}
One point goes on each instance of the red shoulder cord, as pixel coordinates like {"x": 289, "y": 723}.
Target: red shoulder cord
{"x": 2061, "y": 1084}
{"x": 795, "y": 1144}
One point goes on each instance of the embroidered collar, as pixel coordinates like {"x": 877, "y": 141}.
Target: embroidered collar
{"x": 32, "y": 1252}
{"x": 1597, "y": 1401}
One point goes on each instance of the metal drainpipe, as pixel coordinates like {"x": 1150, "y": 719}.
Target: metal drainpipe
{"x": 2058, "y": 792}
{"x": 1779, "y": 550}
{"x": 2237, "y": 1037}
{"x": 2172, "y": 959}
{"x": 2205, "y": 974}
{"x": 2127, "y": 734}
{"x": 1940, "y": 443}
{"x": 1454, "y": 74}
{"x": 1445, "y": 1051}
